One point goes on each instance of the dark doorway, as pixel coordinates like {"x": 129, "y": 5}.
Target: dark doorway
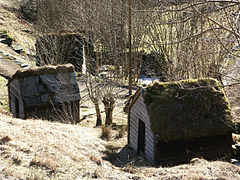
{"x": 17, "y": 107}
{"x": 141, "y": 138}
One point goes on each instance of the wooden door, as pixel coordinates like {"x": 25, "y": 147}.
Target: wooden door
{"x": 141, "y": 138}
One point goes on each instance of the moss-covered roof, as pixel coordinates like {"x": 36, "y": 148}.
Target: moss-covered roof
{"x": 44, "y": 70}
{"x": 45, "y": 85}
{"x": 188, "y": 109}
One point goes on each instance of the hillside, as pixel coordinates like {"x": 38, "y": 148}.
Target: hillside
{"x": 36, "y": 149}
{"x": 17, "y": 42}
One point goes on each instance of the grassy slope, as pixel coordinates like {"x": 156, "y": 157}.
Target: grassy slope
{"x": 39, "y": 149}
{"x": 3, "y": 95}
{"x": 35, "y": 149}
{"x": 19, "y": 30}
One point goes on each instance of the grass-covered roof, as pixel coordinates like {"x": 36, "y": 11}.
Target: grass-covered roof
{"x": 65, "y": 68}
{"x": 47, "y": 84}
{"x": 188, "y": 109}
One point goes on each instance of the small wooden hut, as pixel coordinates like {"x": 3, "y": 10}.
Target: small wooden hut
{"x": 170, "y": 123}
{"x": 49, "y": 92}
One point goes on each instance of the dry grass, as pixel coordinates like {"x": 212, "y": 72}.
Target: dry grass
{"x": 122, "y": 130}
{"x": 50, "y": 148}
{"x": 3, "y": 95}
{"x": 236, "y": 138}
{"x": 17, "y": 29}
{"x": 201, "y": 169}
{"x": 36, "y": 149}
{"x": 12, "y": 21}
{"x": 106, "y": 132}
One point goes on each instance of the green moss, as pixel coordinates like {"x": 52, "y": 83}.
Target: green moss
{"x": 3, "y": 31}
{"x": 188, "y": 109}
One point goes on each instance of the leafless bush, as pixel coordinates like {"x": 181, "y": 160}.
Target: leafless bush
{"x": 191, "y": 39}
{"x": 106, "y": 132}
{"x": 28, "y": 9}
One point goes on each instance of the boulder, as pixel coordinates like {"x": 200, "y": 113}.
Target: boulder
{"x": 17, "y": 48}
{"x": 5, "y": 39}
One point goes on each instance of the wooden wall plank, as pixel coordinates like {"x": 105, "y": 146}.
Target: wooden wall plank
{"x": 139, "y": 111}
{"x": 21, "y": 109}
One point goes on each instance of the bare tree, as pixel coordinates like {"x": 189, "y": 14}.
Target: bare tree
{"x": 193, "y": 38}
{"x": 187, "y": 39}
{"x": 102, "y": 26}
{"x": 107, "y": 32}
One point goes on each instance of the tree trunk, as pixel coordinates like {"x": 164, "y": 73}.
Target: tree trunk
{"x": 111, "y": 110}
{"x": 140, "y": 66}
{"x": 108, "y": 106}
{"x": 99, "y": 118}
{"x": 130, "y": 48}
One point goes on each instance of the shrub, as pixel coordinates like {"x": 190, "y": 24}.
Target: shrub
{"x": 121, "y": 132}
{"x": 106, "y": 132}
{"x": 28, "y": 10}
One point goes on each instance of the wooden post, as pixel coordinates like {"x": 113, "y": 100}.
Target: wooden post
{"x": 130, "y": 47}
{"x": 128, "y": 126}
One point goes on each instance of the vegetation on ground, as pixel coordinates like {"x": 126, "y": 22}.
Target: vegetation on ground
{"x": 36, "y": 149}
{"x": 3, "y": 95}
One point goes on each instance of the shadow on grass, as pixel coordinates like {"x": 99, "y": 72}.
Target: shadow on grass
{"x": 125, "y": 158}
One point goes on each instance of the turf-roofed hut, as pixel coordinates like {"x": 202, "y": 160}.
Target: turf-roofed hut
{"x": 172, "y": 122}
{"x": 48, "y": 92}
